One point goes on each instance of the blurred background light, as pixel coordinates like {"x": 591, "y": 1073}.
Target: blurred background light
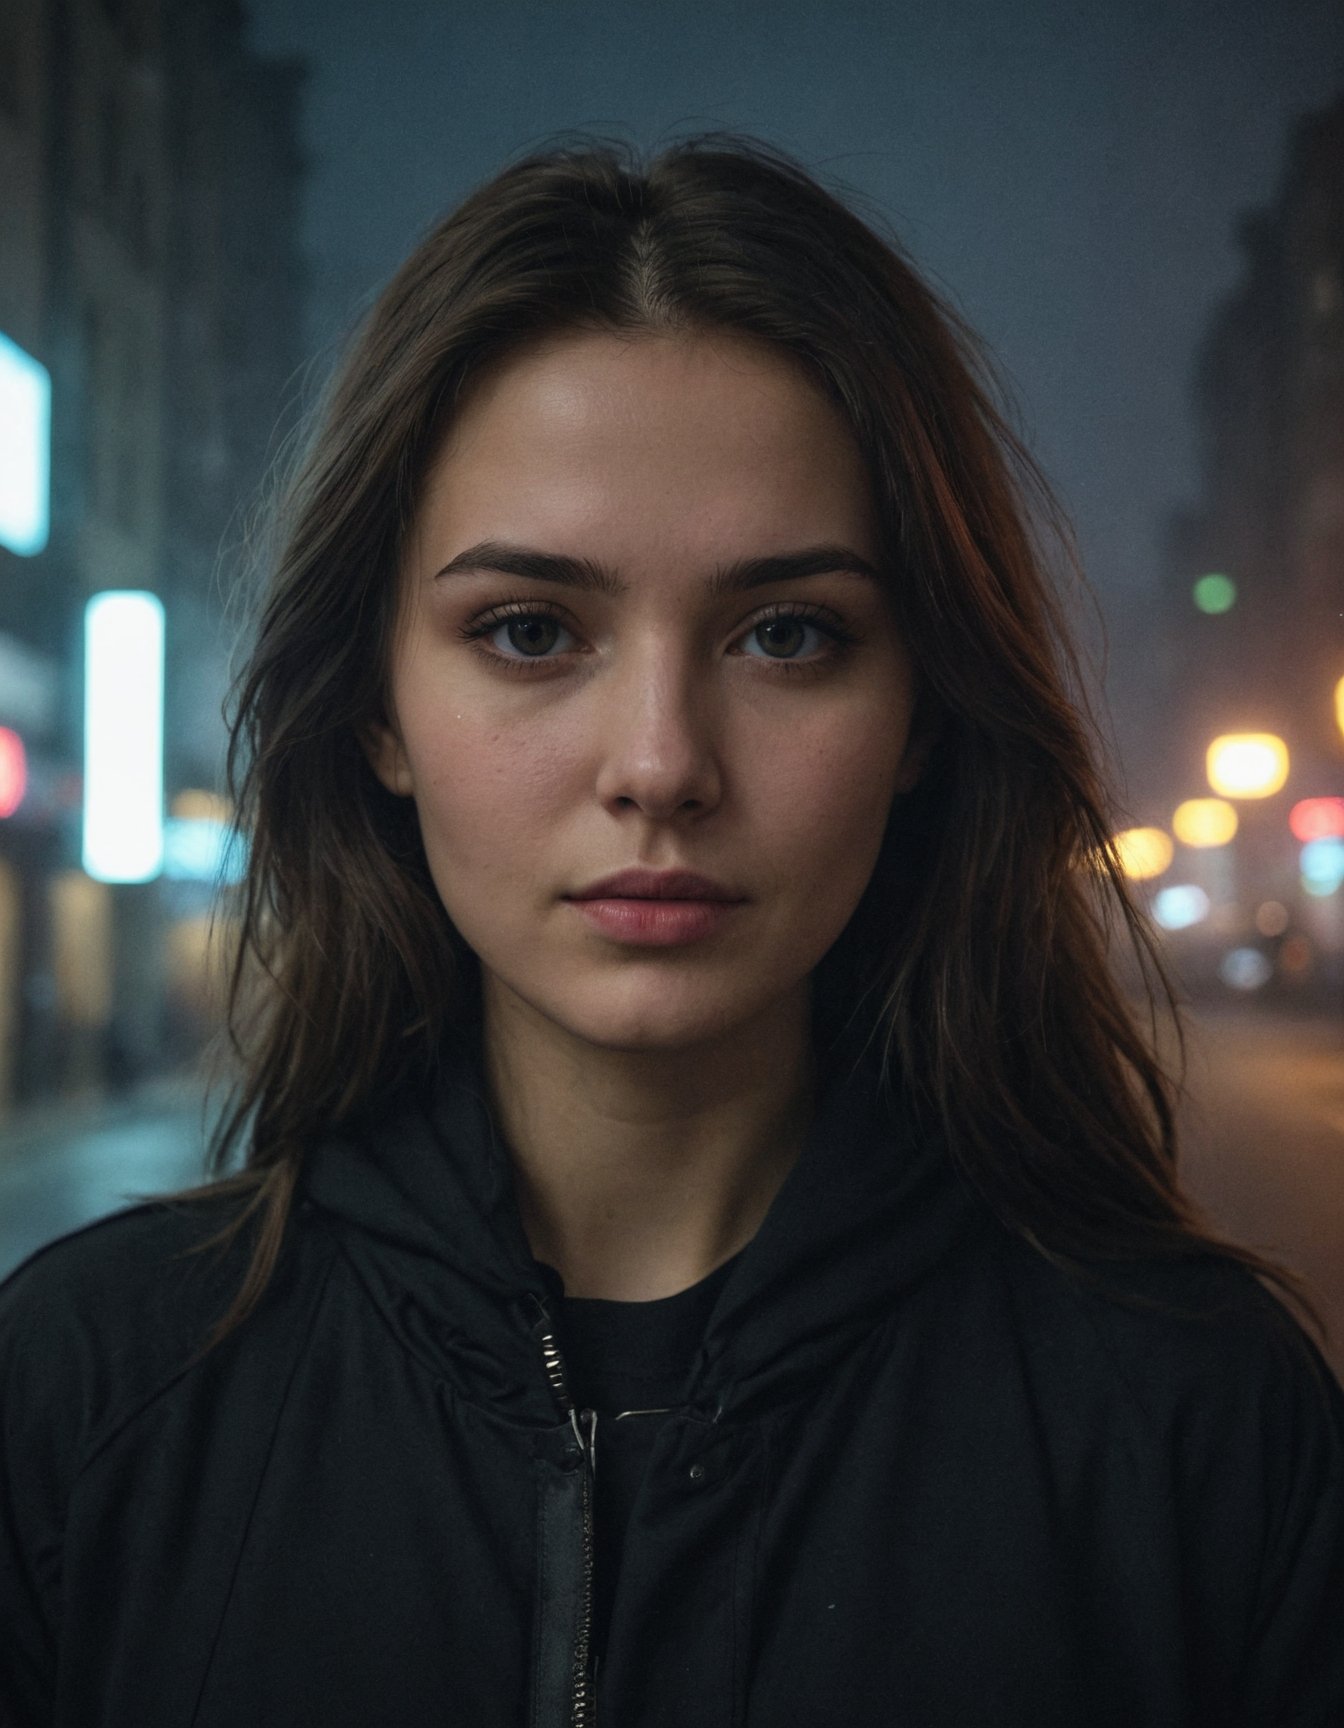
{"x": 1215, "y": 593}
{"x": 123, "y": 736}
{"x": 1317, "y": 818}
{"x": 13, "y": 771}
{"x": 1144, "y": 852}
{"x": 1322, "y": 865}
{"x": 1339, "y": 704}
{"x": 195, "y": 805}
{"x": 1180, "y": 906}
{"x": 200, "y": 849}
{"x": 1271, "y": 918}
{"x": 1245, "y": 969}
{"x": 25, "y": 450}
{"x": 1204, "y": 822}
{"x": 1247, "y": 764}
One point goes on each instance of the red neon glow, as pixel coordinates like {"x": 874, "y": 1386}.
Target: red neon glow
{"x": 1317, "y": 819}
{"x": 13, "y": 771}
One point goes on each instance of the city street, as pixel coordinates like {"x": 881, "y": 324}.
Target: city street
{"x": 1264, "y": 1149}
{"x": 1264, "y": 1142}
{"x": 64, "y": 1167}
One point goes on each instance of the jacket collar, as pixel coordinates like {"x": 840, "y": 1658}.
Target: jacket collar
{"x": 421, "y": 1193}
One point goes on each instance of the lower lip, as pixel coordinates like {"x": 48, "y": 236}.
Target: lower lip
{"x": 656, "y": 923}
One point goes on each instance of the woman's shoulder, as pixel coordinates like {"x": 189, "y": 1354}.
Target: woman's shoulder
{"x": 98, "y": 1322}
{"x": 120, "y": 1270}
{"x": 1188, "y": 1344}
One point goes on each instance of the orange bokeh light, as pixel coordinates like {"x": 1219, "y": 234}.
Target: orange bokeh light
{"x": 1205, "y": 822}
{"x": 1143, "y": 852}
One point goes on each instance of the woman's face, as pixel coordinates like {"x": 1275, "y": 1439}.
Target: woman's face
{"x": 657, "y": 714}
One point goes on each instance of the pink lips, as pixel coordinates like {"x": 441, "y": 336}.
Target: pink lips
{"x": 655, "y": 908}
{"x": 655, "y": 885}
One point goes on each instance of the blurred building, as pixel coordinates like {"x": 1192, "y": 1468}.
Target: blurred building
{"x": 1254, "y": 632}
{"x": 149, "y": 259}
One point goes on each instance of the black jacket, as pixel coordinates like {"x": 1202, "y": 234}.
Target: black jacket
{"x": 920, "y": 1476}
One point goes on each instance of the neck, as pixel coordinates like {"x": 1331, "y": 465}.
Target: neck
{"x": 638, "y": 1172}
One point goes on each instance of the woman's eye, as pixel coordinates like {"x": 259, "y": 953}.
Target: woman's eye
{"x": 529, "y": 636}
{"x": 526, "y": 635}
{"x": 785, "y": 638}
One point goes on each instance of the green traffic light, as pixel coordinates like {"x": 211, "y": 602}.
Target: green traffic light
{"x": 1215, "y": 593}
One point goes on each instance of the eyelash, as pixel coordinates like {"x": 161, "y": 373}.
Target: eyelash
{"x": 820, "y": 617}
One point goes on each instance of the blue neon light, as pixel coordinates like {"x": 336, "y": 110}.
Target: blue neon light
{"x": 25, "y": 450}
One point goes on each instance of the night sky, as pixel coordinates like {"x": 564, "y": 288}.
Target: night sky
{"x": 1068, "y": 172}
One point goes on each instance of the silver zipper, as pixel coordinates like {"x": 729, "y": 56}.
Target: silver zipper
{"x": 583, "y": 1691}
{"x": 584, "y": 1714}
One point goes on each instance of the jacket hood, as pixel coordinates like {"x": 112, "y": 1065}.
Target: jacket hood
{"x": 421, "y": 1195}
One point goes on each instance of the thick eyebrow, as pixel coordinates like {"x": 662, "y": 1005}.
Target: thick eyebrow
{"x": 585, "y": 573}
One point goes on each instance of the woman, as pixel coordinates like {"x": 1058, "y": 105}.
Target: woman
{"x": 709, "y": 1248}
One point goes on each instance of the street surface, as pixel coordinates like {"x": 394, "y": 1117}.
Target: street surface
{"x": 1264, "y": 1150}
{"x": 62, "y": 1167}
{"x": 1264, "y": 1143}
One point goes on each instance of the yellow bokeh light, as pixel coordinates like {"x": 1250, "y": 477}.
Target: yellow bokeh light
{"x": 194, "y": 805}
{"x": 1204, "y": 822}
{"x": 1247, "y": 764}
{"x": 1144, "y": 852}
{"x": 1339, "y": 704}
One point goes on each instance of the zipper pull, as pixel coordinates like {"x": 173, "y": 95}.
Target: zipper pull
{"x": 583, "y": 1664}
{"x": 584, "y": 1424}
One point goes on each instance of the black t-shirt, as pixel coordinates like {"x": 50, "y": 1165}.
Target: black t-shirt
{"x": 629, "y": 1362}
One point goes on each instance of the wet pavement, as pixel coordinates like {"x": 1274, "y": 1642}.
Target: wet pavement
{"x": 1264, "y": 1143}
{"x": 63, "y": 1166}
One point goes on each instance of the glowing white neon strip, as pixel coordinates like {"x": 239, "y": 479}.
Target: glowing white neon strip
{"x": 123, "y": 737}
{"x": 25, "y": 450}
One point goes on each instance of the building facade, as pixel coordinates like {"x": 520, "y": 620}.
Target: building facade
{"x": 149, "y": 259}
{"x": 1264, "y": 652}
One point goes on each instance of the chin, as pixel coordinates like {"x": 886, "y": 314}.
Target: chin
{"x": 646, "y": 1015}
{"x": 656, "y": 1029}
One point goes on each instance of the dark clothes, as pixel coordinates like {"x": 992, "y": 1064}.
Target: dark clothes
{"x": 629, "y": 1362}
{"x": 914, "y": 1474}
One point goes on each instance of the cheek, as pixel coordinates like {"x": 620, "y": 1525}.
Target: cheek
{"x": 483, "y": 791}
{"x": 835, "y": 831}
{"x": 839, "y": 778}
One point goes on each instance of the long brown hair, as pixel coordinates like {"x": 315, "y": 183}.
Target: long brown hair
{"x": 980, "y": 953}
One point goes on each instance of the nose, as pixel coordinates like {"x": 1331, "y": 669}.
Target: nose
{"x": 657, "y": 738}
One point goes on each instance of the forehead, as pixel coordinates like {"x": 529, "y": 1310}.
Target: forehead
{"x": 699, "y": 443}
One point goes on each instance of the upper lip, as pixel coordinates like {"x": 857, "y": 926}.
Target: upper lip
{"x": 655, "y": 885}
